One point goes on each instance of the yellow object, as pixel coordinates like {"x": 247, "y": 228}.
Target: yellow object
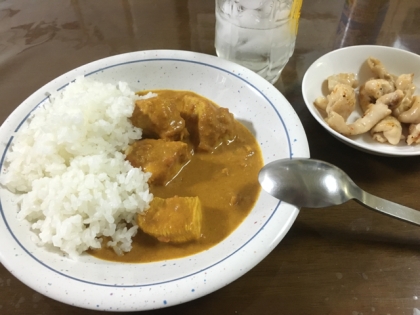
{"x": 164, "y": 159}
{"x": 295, "y": 15}
{"x": 176, "y": 219}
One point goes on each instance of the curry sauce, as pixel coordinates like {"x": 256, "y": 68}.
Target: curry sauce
{"x": 226, "y": 182}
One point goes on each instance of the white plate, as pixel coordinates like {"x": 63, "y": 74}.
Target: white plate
{"x": 352, "y": 59}
{"x": 102, "y": 285}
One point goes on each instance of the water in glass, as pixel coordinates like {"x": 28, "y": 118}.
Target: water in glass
{"x": 258, "y": 34}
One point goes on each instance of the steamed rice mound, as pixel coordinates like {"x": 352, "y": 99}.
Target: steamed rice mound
{"x": 67, "y": 164}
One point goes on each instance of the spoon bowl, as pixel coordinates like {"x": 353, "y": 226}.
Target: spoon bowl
{"x": 312, "y": 183}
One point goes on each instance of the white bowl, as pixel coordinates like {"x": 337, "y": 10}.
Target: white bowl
{"x": 352, "y": 59}
{"x": 103, "y": 285}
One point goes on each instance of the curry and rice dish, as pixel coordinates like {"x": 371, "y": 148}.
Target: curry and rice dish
{"x": 204, "y": 167}
{"x": 132, "y": 177}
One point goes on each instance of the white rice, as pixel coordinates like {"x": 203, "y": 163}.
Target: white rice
{"x": 66, "y": 161}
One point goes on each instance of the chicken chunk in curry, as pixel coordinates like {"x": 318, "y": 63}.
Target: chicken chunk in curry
{"x": 191, "y": 117}
{"x": 209, "y": 125}
{"x": 176, "y": 219}
{"x": 159, "y": 118}
{"x": 164, "y": 159}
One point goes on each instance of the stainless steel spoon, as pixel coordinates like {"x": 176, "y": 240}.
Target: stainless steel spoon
{"x": 316, "y": 184}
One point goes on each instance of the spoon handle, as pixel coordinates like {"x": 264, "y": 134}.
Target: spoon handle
{"x": 390, "y": 208}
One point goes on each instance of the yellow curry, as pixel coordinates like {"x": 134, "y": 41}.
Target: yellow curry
{"x": 203, "y": 162}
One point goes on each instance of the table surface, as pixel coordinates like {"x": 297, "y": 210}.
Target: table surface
{"x": 338, "y": 260}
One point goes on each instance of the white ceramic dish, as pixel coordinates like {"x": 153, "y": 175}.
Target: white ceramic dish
{"x": 352, "y": 59}
{"x": 102, "y": 285}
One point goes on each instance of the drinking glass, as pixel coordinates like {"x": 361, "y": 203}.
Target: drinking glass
{"x": 257, "y": 34}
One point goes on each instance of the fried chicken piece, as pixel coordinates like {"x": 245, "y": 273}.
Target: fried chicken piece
{"x": 412, "y": 115}
{"x": 388, "y": 130}
{"x": 379, "y": 70}
{"x": 413, "y": 134}
{"x": 342, "y": 78}
{"x": 341, "y": 100}
{"x": 164, "y": 159}
{"x": 392, "y": 99}
{"x": 405, "y": 83}
{"x": 321, "y": 102}
{"x": 403, "y": 106}
{"x": 374, "y": 114}
{"x": 176, "y": 219}
{"x": 372, "y": 90}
